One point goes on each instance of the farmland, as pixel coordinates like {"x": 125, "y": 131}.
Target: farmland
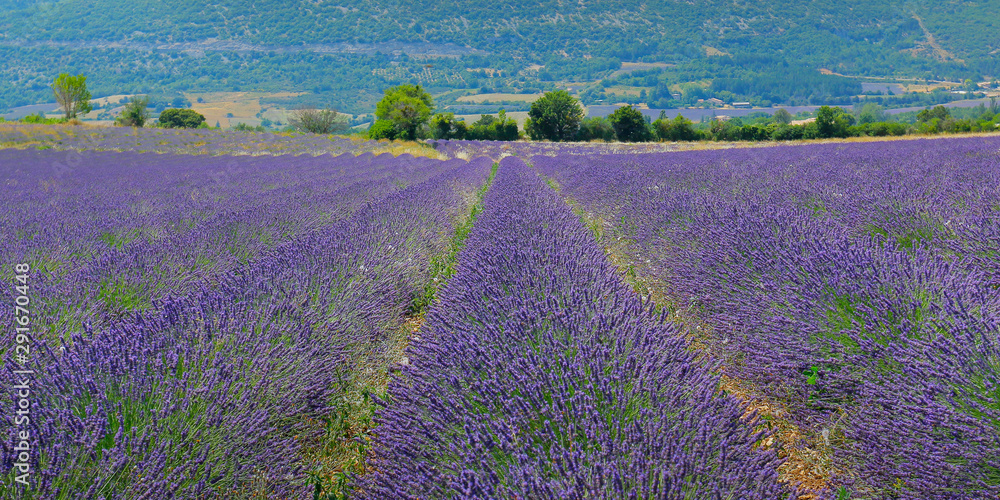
{"x": 233, "y": 315}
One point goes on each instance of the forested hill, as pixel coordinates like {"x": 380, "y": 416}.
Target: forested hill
{"x": 914, "y": 38}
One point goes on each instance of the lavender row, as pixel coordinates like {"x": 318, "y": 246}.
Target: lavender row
{"x": 187, "y": 141}
{"x": 122, "y": 229}
{"x": 538, "y": 374}
{"x": 218, "y": 393}
{"x": 857, "y": 284}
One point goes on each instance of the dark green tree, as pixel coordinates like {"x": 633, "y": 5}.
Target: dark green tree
{"x": 629, "y": 125}
{"x": 833, "y": 122}
{"x": 407, "y": 107}
{"x": 445, "y": 126}
{"x": 678, "y": 129}
{"x": 555, "y": 116}
{"x": 181, "y": 118}
{"x": 135, "y": 113}
{"x": 72, "y": 94}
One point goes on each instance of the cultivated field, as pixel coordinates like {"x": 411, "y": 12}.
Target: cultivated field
{"x": 212, "y": 314}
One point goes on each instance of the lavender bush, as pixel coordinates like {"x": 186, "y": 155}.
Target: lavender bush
{"x": 539, "y": 375}
{"x": 216, "y": 388}
{"x": 842, "y": 279}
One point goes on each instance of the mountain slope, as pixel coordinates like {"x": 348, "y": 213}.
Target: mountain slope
{"x": 903, "y": 38}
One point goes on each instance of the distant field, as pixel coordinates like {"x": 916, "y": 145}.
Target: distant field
{"x": 244, "y": 106}
{"x": 481, "y": 98}
{"x": 538, "y": 304}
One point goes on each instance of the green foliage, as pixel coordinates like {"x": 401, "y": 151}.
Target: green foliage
{"x": 382, "y": 129}
{"x": 555, "y": 116}
{"x": 445, "y": 126}
{"x": 135, "y": 113}
{"x": 871, "y": 113}
{"x": 318, "y": 121}
{"x": 243, "y": 127}
{"x": 490, "y": 128}
{"x": 39, "y": 118}
{"x": 833, "y": 122}
{"x": 937, "y": 113}
{"x": 630, "y": 125}
{"x": 678, "y": 129}
{"x": 72, "y": 95}
{"x": 782, "y": 117}
{"x": 408, "y": 107}
{"x": 181, "y": 118}
{"x": 595, "y": 128}
{"x": 773, "y": 55}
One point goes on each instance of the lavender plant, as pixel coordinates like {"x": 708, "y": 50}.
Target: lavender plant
{"x": 842, "y": 279}
{"x": 218, "y": 388}
{"x": 539, "y": 375}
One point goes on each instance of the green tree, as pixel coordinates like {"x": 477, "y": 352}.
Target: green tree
{"x": 318, "y": 121}
{"x": 629, "y": 124}
{"x": 678, "y": 129}
{"x": 782, "y": 116}
{"x": 595, "y": 128}
{"x": 939, "y": 112}
{"x": 382, "y": 129}
{"x": 135, "y": 112}
{"x": 494, "y": 128}
{"x": 445, "y": 126}
{"x": 407, "y": 107}
{"x": 555, "y": 116}
{"x": 72, "y": 94}
{"x": 871, "y": 113}
{"x": 181, "y": 118}
{"x": 833, "y": 122}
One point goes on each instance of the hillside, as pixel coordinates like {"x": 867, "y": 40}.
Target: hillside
{"x": 352, "y": 48}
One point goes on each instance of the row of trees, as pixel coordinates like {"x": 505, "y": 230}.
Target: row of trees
{"x": 406, "y": 112}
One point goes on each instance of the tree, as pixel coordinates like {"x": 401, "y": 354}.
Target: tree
{"x": 678, "y": 129}
{"x": 555, "y": 116}
{"x": 494, "y": 128}
{"x": 445, "y": 126}
{"x": 871, "y": 113}
{"x": 72, "y": 94}
{"x": 135, "y": 112}
{"x": 595, "y": 128}
{"x": 939, "y": 112}
{"x": 382, "y": 129}
{"x": 833, "y": 122}
{"x": 407, "y": 107}
{"x": 629, "y": 124}
{"x": 318, "y": 121}
{"x": 181, "y": 118}
{"x": 782, "y": 116}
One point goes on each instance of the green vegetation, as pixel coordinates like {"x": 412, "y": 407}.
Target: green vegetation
{"x": 135, "y": 113}
{"x": 595, "y": 128}
{"x": 749, "y": 52}
{"x": 181, "y": 118}
{"x": 555, "y": 116}
{"x": 629, "y": 125}
{"x": 72, "y": 95}
{"x": 407, "y": 107}
{"x": 317, "y": 121}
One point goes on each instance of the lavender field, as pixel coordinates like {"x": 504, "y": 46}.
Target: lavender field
{"x": 532, "y": 321}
